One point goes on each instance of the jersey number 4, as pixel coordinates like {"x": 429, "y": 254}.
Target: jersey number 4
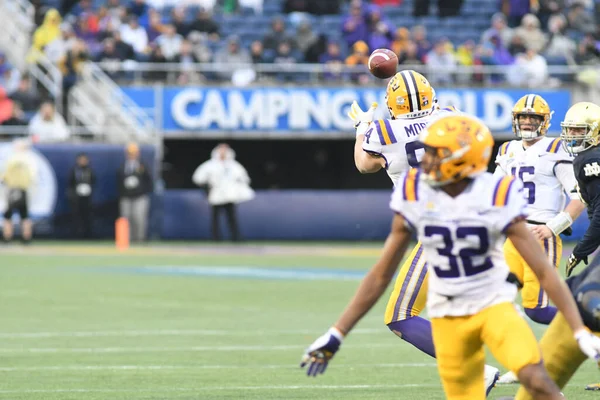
{"x": 466, "y": 266}
{"x": 523, "y": 173}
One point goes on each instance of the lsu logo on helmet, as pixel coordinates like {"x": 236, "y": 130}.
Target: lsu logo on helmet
{"x": 409, "y": 95}
{"x": 531, "y": 104}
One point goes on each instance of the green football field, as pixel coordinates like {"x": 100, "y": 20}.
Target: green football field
{"x": 194, "y": 321}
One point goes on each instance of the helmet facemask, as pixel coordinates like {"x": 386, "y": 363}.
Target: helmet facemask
{"x": 531, "y": 128}
{"x": 577, "y": 137}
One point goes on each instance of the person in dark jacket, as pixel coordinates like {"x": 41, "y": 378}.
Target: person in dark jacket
{"x": 135, "y": 187}
{"x": 81, "y": 187}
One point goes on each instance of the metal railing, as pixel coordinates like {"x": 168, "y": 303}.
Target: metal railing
{"x": 320, "y": 73}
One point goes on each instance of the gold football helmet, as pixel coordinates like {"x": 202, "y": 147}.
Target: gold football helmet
{"x": 461, "y": 147}
{"x": 409, "y": 95}
{"x": 580, "y": 128}
{"x": 534, "y": 106}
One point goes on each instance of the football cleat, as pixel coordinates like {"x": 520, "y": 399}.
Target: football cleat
{"x": 508, "y": 378}
{"x": 491, "y": 376}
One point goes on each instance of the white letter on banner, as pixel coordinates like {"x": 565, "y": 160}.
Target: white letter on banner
{"x": 244, "y": 115}
{"x": 179, "y": 106}
{"x": 214, "y": 111}
{"x": 339, "y": 104}
{"x": 492, "y": 101}
{"x": 304, "y": 107}
{"x": 276, "y": 104}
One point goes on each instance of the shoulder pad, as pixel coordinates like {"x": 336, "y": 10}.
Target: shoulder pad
{"x": 554, "y": 146}
{"x": 501, "y": 191}
{"x": 410, "y": 185}
{"x": 503, "y": 150}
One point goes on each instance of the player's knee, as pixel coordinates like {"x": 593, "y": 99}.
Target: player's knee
{"x": 396, "y": 327}
{"x": 537, "y": 381}
{"x": 543, "y": 315}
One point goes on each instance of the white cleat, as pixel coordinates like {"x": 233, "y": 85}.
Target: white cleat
{"x": 490, "y": 376}
{"x": 508, "y": 378}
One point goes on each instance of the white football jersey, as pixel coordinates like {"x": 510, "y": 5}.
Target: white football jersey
{"x": 462, "y": 239}
{"x": 536, "y": 168}
{"x": 397, "y": 141}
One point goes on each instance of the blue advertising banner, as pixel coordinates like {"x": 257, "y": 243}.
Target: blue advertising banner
{"x": 203, "y": 111}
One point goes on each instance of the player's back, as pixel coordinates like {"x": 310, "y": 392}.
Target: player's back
{"x": 462, "y": 238}
{"x": 535, "y": 167}
{"x": 397, "y": 141}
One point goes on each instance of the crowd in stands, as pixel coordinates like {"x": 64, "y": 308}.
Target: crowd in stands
{"x": 524, "y": 37}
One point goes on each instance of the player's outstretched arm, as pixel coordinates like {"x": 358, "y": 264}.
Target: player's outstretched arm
{"x": 557, "y": 290}
{"x": 369, "y": 291}
{"x": 366, "y": 163}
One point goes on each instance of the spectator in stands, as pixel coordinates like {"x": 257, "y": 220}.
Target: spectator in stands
{"x": 72, "y": 65}
{"x": 465, "y": 53}
{"x": 587, "y": 52}
{"x": 135, "y": 187}
{"x": 139, "y": 8}
{"x": 199, "y": 47}
{"x": 110, "y": 59}
{"x": 410, "y": 55}
{"x": 58, "y": 48}
{"x": 79, "y": 192}
{"x": 354, "y": 26}
{"x": 381, "y": 32}
{"x": 560, "y": 47}
{"x": 18, "y": 177}
{"x": 233, "y": 55}
{"x": 284, "y": 57}
{"x": 48, "y": 125}
{"x": 334, "y": 60}
{"x": 17, "y": 117}
{"x": 107, "y": 21}
{"x": 178, "y": 19}
{"x": 517, "y": 46}
{"x": 187, "y": 60}
{"x": 419, "y": 36}
{"x": 314, "y": 7}
{"x": 531, "y": 34}
{"x": 45, "y": 34}
{"x": 277, "y": 35}
{"x": 315, "y": 50}
{"x": 441, "y": 63}
{"x": 581, "y": 20}
{"x": 204, "y": 23}
{"x": 155, "y": 25}
{"x": 9, "y": 76}
{"x": 6, "y": 106}
{"x": 89, "y": 37}
{"x": 156, "y": 57}
{"x": 25, "y": 96}
{"x": 515, "y": 10}
{"x": 134, "y": 35}
{"x": 530, "y": 69}
{"x": 499, "y": 28}
{"x": 548, "y": 8}
{"x": 359, "y": 57}
{"x": 401, "y": 40}
{"x": 257, "y": 53}
{"x": 305, "y": 37}
{"x": 493, "y": 52}
{"x": 228, "y": 184}
{"x": 124, "y": 50}
{"x": 170, "y": 42}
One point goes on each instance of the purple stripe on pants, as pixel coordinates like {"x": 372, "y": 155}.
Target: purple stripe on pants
{"x": 407, "y": 279}
{"x": 416, "y": 290}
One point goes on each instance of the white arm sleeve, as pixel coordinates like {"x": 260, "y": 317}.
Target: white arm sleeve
{"x": 499, "y": 172}
{"x": 565, "y": 175}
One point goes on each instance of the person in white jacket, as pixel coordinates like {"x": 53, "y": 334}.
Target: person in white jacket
{"x": 228, "y": 184}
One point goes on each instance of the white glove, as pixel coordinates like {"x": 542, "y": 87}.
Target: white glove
{"x": 362, "y": 119}
{"x": 588, "y": 343}
{"x": 322, "y": 350}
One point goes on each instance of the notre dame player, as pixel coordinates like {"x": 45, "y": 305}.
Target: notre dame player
{"x": 580, "y": 130}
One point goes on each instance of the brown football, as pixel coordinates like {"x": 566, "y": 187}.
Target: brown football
{"x": 383, "y": 63}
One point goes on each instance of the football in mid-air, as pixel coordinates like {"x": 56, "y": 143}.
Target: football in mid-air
{"x": 383, "y": 63}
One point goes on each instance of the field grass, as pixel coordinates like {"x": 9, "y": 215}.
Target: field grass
{"x": 189, "y": 321}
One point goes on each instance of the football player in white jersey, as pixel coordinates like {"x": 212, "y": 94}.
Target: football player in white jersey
{"x": 462, "y": 215}
{"x": 393, "y": 144}
{"x": 546, "y": 170}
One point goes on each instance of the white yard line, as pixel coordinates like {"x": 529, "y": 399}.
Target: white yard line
{"x": 150, "y": 349}
{"x": 77, "y": 368}
{"x": 177, "y": 332}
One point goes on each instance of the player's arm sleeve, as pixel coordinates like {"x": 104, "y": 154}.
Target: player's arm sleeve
{"x": 372, "y": 141}
{"x": 509, "y": 203}
{"x": 591, "y": 240}
{"x": 499, "y": 172}
{"x": 563, "y": 170}
{"x": 405, "y": 199}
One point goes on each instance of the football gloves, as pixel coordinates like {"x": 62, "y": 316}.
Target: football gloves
{"x": 588, "y": 343}
{"x": 362, "y": 119}
{"x": 322, "y": 350}
{"x": 572, "y": 262}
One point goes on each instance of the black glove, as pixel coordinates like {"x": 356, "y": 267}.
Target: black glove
{"x": 573, "y": 261}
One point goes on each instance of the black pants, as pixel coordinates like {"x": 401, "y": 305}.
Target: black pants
{"x": 82, "y": 216}
{"x": 446, "y": 8}
{"x": 229, "y": 209}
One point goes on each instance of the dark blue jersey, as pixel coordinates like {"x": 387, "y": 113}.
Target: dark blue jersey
{"x": 588, "y": 280}
{"x": 587, "y": 171}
